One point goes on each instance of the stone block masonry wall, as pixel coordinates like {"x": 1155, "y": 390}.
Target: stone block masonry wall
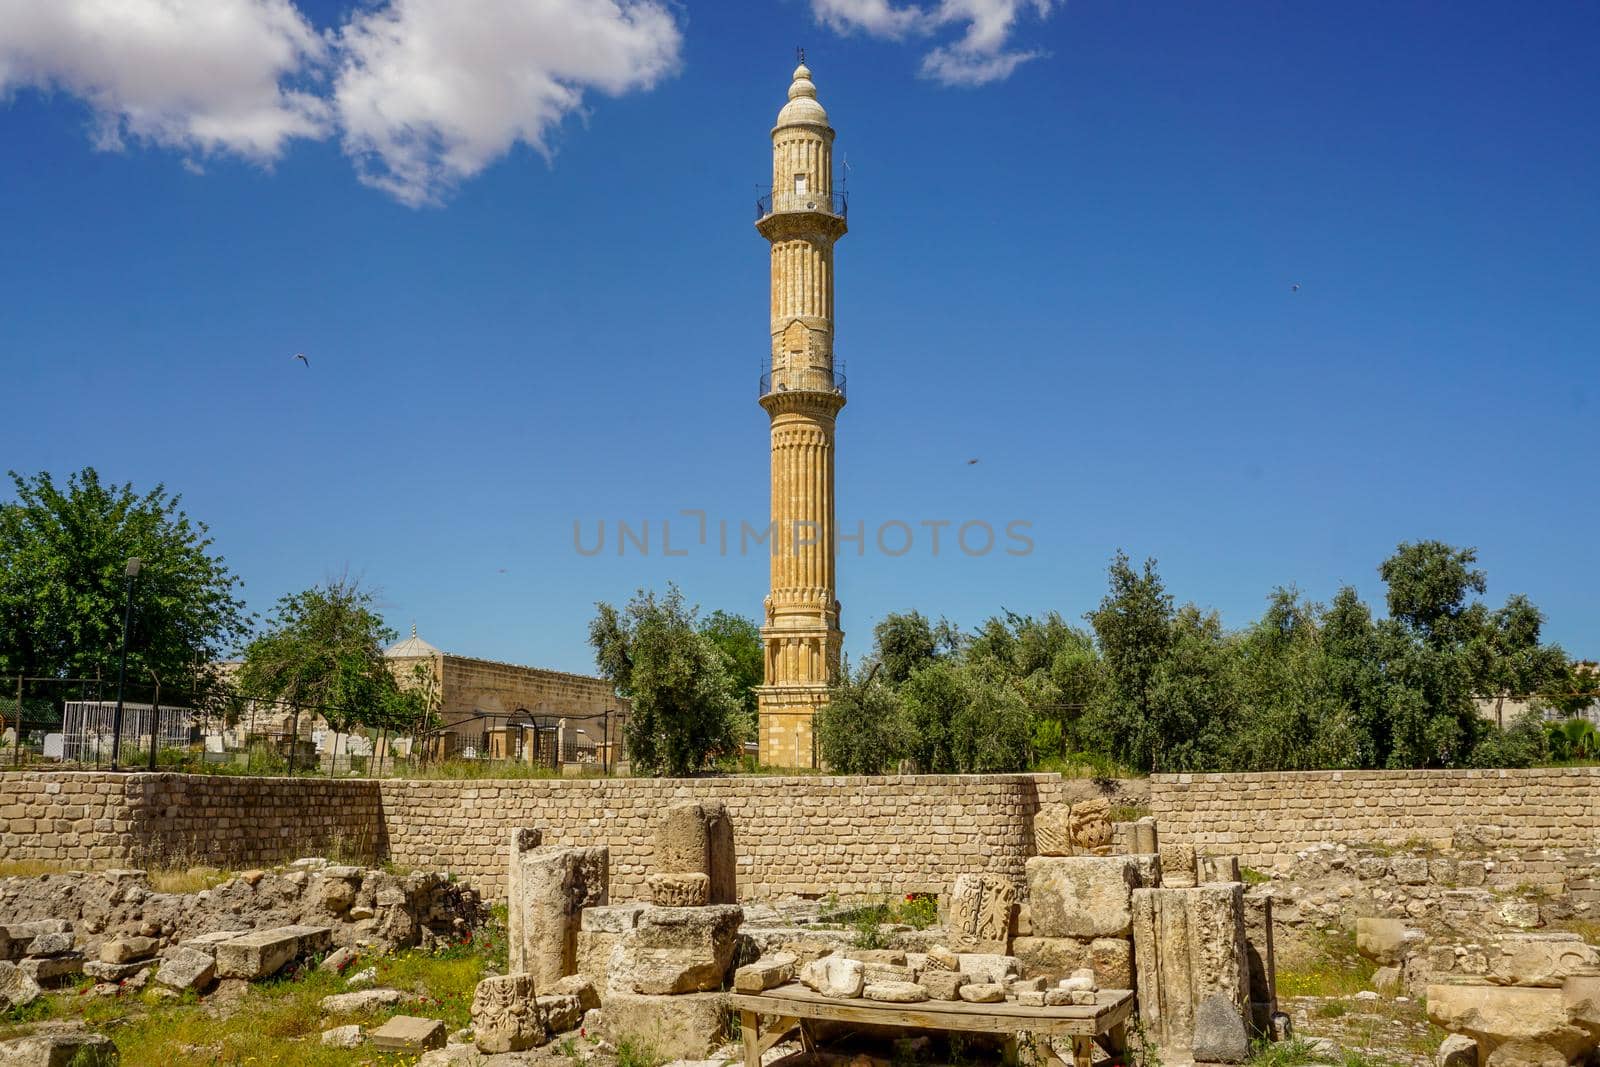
{"x": 808, "y": 834}
{"x": 1267, "y": 818}
{"x": 99, "y": 819}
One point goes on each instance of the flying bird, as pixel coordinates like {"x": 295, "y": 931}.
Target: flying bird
{"x": 301, "y": 356}
{"x": 1295, "y": 288}
{"x": 970, "y": 462}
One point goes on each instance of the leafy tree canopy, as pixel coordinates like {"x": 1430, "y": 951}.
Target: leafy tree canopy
{"x": 323, "y": 649}
{"x": 63, "y": 552}
{"x": 687, "y": 706}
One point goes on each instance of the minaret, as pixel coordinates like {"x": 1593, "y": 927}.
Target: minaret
{"x": 802, "y": 393}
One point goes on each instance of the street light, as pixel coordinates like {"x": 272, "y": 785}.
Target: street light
{"x": 130, "y": 572}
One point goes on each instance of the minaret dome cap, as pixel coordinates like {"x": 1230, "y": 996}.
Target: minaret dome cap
{"x": 802, "y": 108}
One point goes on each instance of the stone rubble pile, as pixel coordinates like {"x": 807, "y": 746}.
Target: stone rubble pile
{"x": 365, "y": 908}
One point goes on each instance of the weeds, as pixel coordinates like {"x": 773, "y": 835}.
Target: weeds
{"x": 634, "y": 1053}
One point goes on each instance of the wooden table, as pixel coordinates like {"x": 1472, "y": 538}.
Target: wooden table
{"x": 793, "y": 1005}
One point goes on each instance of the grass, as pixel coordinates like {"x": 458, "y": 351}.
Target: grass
{"x": 1336, "y": 970}
{"x": 631, "y": 1053}
{"x": 1588, "y": 929}
{"x": 179, "y": 879}
{"x": 1251, "y": 876}
{"x": 1297, "y": 1053}
{"x": 867, "y": 920}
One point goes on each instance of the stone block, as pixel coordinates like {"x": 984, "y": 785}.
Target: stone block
{"x": 52, "y": 944}
{"x": 1457, "y": 1050}
{"x": 127, "y": 949}
{"x": 1089, "y": 825}
{"x": 46, "y": 969}
{"x": 1213, "y": 868}
{"x": 18, "y": 989}
{"x": 675, "y": 1027}
{"x": 989, "y": 966}
{"x": 548, "y": 889}
{"x": 1178, "y": 867}
{"x": 343, "y": 1037}
{"x": 982, "y": 993}
{"x": 101, "y": 971}
{"x": 834, "y": 976}
{"x": 676, "y": 950}
{"x": 1052, "y": 830}
{"x": 769, "y": 972}
{"x": 409, "y": 1033}
{"x": 894, "y": 992}
{"x": 579, "y": 985}
{"x": 1511, "y": 1025}
{"x": 1081, "y": 896}
{"x": 981, "y": 911}
{"x": 60, "y": 1048}
{"x": 261, "y": 953}
{"x": 1052, "y": 958}
{"x": 1145, "y": 838}
{"x": 944, "y": 985}
{"x": 698, "y": 836}
{"x": 506, "y": 1015}
{"x": 611, "y": 918}
{"x": 1189, "y": 944}
{"x": 1385, "y": 940}
{"x": 561, "y": 1011}
{"x": 361, "y": 1000}
{"x": 888, "y": 972}
{"x": 1542, "y": 959}
{"x": 940, "y": 958}
{"x": 678, "y": 890}
{"x": 186, "y": 968}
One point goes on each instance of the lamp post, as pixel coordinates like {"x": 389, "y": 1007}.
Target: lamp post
{"x": 130, "y": 572}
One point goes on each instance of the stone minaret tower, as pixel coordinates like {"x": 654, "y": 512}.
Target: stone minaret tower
{"x": 802, "y": 393}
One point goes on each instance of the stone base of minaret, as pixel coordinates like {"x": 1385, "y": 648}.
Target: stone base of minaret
{"x": 785, "y": 713}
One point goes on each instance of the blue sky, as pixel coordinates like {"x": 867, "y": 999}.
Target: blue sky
{"x": 1077, "y": 272}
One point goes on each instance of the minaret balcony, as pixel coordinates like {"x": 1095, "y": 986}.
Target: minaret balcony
{"x": 803, "y": 380}
{"x": 790, "y": 201}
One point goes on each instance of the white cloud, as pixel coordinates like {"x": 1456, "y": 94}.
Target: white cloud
{"x": 201, "y": 76}
{"x": 429, "y": 92}
{"x": 980, "y": 55}
{"x": 423, "y": 93}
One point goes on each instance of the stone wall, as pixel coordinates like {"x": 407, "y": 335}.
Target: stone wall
{"x": 805, "y": 834}
{"x": 1267, "y": 818}
{"x": 97, "y": 819}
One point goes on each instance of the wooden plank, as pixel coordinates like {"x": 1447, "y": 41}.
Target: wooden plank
{"x": 1003, "y": 1018}
{"x": 749, "y": 1035}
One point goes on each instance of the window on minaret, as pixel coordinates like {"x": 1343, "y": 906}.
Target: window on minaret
{"x": 799, "y": 185}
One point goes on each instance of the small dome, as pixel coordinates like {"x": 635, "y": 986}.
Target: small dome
{"x": 802, "y": 108}
{"x": 412, "y": 647}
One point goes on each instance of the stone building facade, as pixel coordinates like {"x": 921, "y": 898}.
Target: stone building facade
{"x": 492, "y": 710}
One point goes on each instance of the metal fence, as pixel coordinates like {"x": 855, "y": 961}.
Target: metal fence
{"x": 87, "y": 728}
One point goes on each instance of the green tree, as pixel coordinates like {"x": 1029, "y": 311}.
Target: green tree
{"x": 964, "y": 719}
{"x": 1574, "y": 739}
{"x": 1134, "y": 629}
{"x": 1292, "y": 716}
{"x": 1054, "y": 666}
{"x": 323, "y": 649}
{"x": 686, "y": 704}
{"x": 861, "y": 730}
{"x": 63, "y": 551}
{"x": 739, "y": 638}
{"x": 1574, "y": 689}
{"x": 901, "y": 644}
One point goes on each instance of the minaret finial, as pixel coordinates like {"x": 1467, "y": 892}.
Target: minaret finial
{"x": 413, "y": 627}
{"x": 800, "y": 55}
